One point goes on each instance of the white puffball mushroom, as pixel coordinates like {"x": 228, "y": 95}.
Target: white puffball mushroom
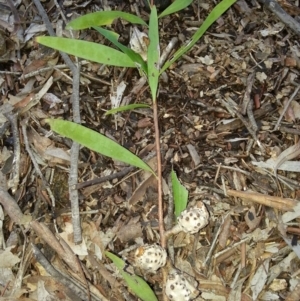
{"x": 193, "y": 219}
{"x": 179, "y": 288}
{"x": 150, "y": 258}
{"x": 190, "y": 220}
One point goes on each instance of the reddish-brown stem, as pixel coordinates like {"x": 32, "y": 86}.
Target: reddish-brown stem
{"x": 159, "y": 176}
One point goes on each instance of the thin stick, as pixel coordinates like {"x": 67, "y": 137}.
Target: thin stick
{"x": 243, "y": 255}
{"x": 30, "y": 153}
{"x": 10, "y": 72}
{"x": 214, "y": 242}
{"x": 237, "y": 123}
{"x": 50, "y": 30}
{"x": 230, "y": 247}
{"x": 9, "y": 204}
{"x": 286, "y": 107}
{"x": 40, "y": 71}
{"x": 251, "y": 116}
{"x": 247, "y": 95}
{"x": 283, "y": 204}
{"x": 232, "y": 108}
{"x": 78, "y": 291}
{"x": 218, "y": 288}
{"x": 73, "y": 178}
{"x": 119, "y": 174}
{"x": 275, "y": 8}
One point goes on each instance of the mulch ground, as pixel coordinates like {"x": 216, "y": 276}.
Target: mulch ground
{"x": 229, "y": 123}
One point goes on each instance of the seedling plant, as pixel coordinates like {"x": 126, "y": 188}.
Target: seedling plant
{"x": 126, "y": 57}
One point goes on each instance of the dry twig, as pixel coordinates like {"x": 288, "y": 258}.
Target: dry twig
{"x": 274, "y": 7}
{"x": 73, "y": 178}
{"x": 275, "y": 202}
{"x": 77, "y": 290}
{"x": 247, "y": 95}
{"x": 8, "y": 202}
{"x": 287, "y": 104}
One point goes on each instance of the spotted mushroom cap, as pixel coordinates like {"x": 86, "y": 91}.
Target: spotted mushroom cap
{"x": 150, "y": 258}
{"x": 193, "y": 219}
{"x": 178, "y": 288}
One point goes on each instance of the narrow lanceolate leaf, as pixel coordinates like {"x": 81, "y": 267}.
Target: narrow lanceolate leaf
{"x": 127, "y": 108}
{"x": 180, "y": 194}
{"x": 153, "y": 52}
{"x": 88, "y": 50}
{"x": 96, "y": 142}
{"x": 175, "y": 7}
{"x": 113, "y": 37}
{"x": 136, "y": 284}
{"x": 212, "y": 17}
{"x": 101, "y": 18}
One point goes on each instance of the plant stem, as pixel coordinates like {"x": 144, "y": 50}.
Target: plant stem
{"x": 159, "y": 177}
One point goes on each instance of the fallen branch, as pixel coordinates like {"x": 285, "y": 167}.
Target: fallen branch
{"x": 74, "y": 153}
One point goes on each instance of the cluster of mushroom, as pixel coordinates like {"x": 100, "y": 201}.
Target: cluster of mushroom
{"x": 150, "y": 258}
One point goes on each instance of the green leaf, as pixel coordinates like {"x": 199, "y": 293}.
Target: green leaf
{"x": 96, "y": 142}
{"x": 175, "y": 6}
{"x": 136, "y": 284}
{"x": 113, "y": 37}
{"x": 127, "y": 108}
{"x": 101, "y": 18}
{"x": 180, "y": 194}
{"x": 212, "y": 17}
{"x": 88, "y": 50}
{"x": 153, "y": 53}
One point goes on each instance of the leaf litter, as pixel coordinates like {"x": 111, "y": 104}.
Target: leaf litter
{"x": 248, "y": 251}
